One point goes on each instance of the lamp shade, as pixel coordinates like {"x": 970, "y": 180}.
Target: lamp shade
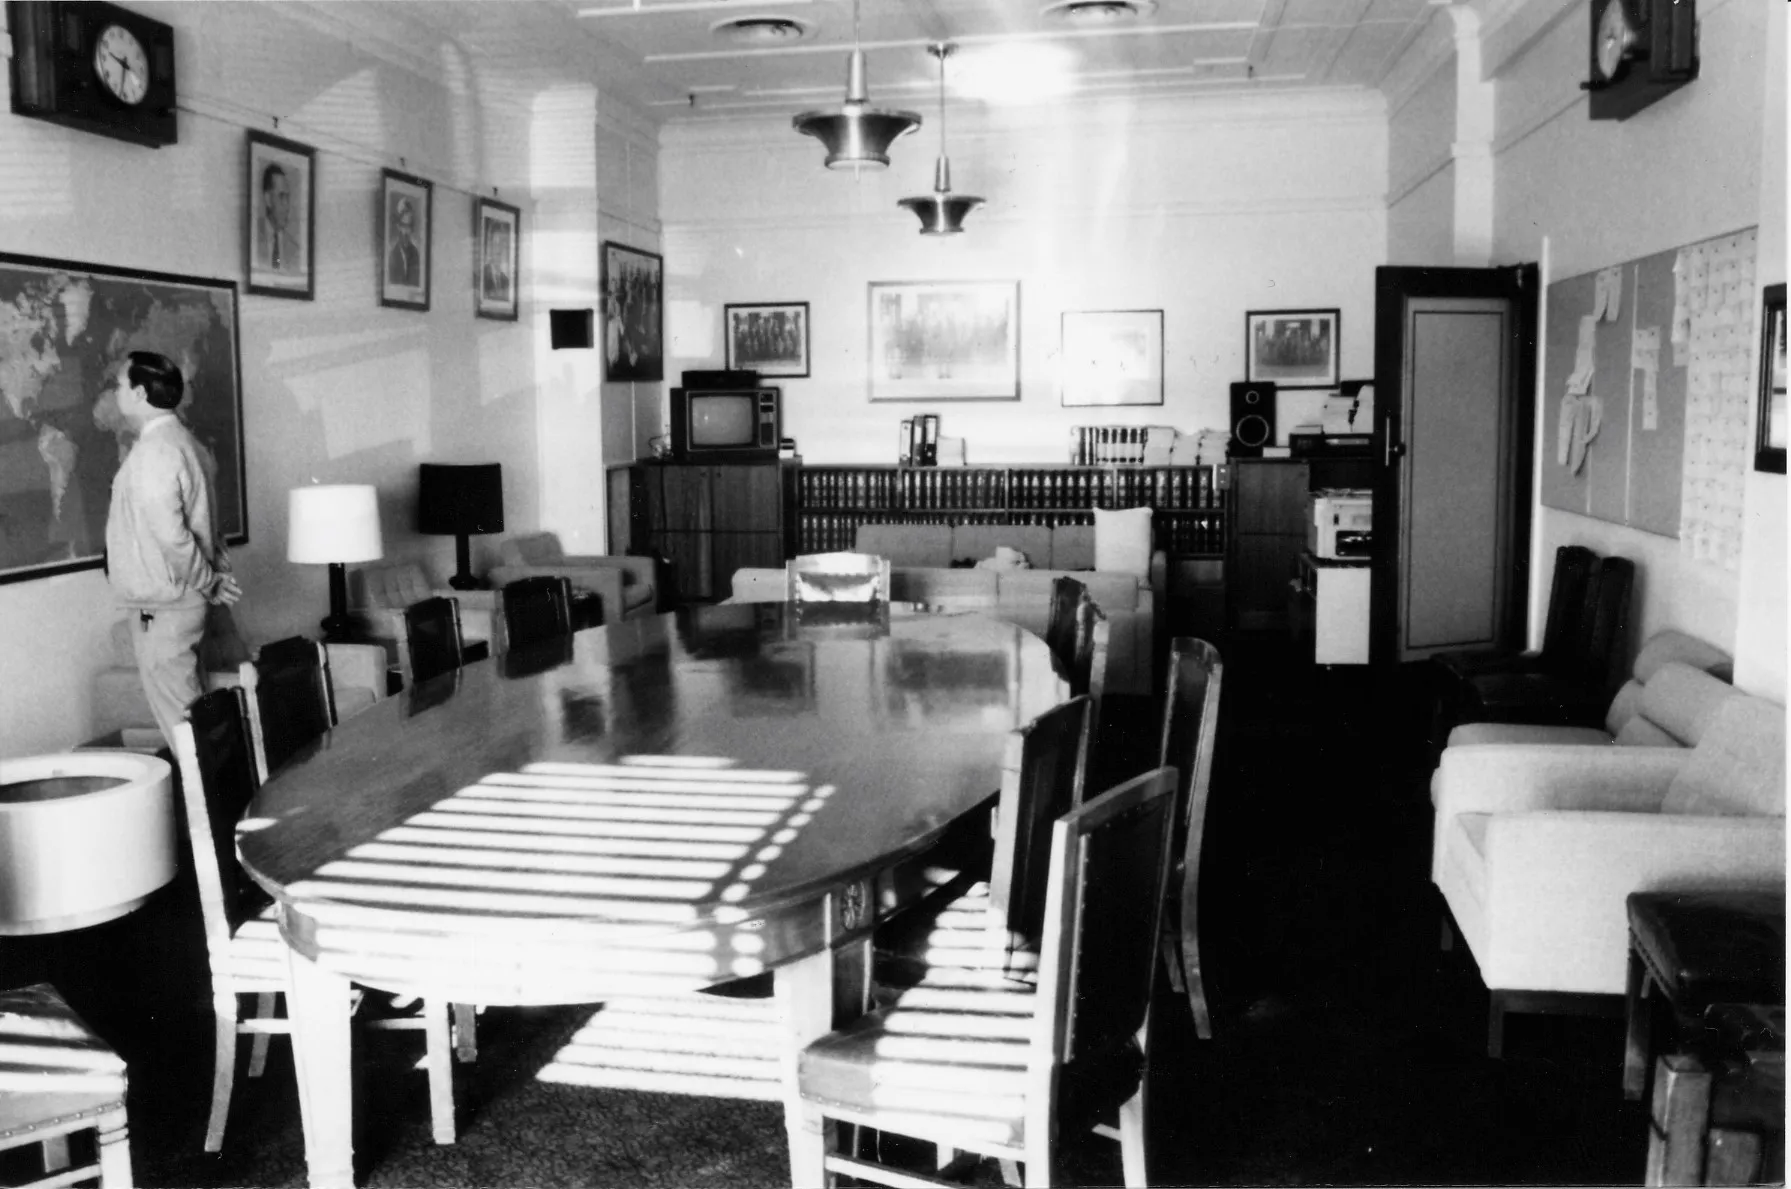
{"x": 338, "y": 523}
{"x": 857, "y": 136}
{"x": 453, "y": 498}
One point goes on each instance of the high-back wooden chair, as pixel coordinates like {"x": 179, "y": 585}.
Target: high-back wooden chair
{"x": 1067, "y": 596}
{"x": 983, "y": 1065}
{"x": 45, "y": 1044}
{"x": 288, "y": 690}
{"x": 431, "y": 644}
{"x": 1088, "y": 672}
{"x": 1190, "y": 726}
{"x": 839, "y": 578}
{"x": 536, "y": 609}
{"x": 242, "y": 936}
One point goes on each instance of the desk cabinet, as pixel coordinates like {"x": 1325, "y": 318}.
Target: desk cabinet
{"x": 1268, "y": 535}
{"x": 707, "y": 519}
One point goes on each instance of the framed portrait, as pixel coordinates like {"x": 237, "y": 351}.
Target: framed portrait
{"x": 770, "y": 338}
{"x": 405, "y": 223}
{"x": 1294, "y": 348}
{"x": 66, "y": 437}
{"x": 1112, "y": 357}
{"x": 633, "y": 313}
{"x": 1770, "y": 432}
{"x": 497, "y": 259}
{"x": 281, "y": 217}
{"x": 945, "y": 340}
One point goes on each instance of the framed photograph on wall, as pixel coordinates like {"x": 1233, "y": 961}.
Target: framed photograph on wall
{"x": 406, "y": 210}
{"x": 770, "y": 338}
{"x": 282, "y": 217}
{"x": 1294, "y": 348}
{"x": 1770, "y": 431}
{"x": 1112, "y": 357}
{"x": 945, "y": 340}
{"x": 497, "y": 259}
{"x": 633, "y": 313}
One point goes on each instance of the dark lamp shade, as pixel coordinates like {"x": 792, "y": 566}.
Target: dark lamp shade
{"x": 454, "y": 499}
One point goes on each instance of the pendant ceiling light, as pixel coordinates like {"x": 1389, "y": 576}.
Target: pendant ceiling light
{"x": 942, "y": 212}
{"x": 858, "y": 135}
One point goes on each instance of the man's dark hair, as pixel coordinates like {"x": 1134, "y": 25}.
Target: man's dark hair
{"x": 268, "y": 175}
{"x": 157, "y": 376}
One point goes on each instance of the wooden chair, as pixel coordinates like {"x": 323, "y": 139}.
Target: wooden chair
{"x": 289, "y": 696}
{"x": 1088, "y": 671}
{"x": 432, "y": 643}
{"x": 1001, "y": 1068}
{"x": 1190, "y": 724}
{"x": 242, "y": 936}
{"x": 1067, "y": 596}
{"x": 839, "y": 578}
{"x": 536, "y": 609}
{"x": 57, "y": 1078}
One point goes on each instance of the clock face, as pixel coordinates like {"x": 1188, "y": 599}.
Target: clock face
{"x": 1615, "y": 38}
{"x": 121, "y": 64}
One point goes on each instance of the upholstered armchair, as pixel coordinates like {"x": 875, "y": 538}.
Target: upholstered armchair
{"x": 1537, "y": 845}
{"x": 382, "y": 591}
{"x": 626, "y": 586}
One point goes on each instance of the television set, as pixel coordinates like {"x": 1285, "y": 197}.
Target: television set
{"x": 738, "y": 423}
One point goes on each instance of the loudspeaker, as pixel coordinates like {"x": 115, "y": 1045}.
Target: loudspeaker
{"x": 1252, "y": 419}
{"x": 569, "y": 329}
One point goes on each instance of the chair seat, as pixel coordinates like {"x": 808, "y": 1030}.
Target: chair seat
{"x": 55, "y": 1074}
{"x": 963, "y": 933}
{"x": 257, "y": 955}
{"x": 1711, "y": 947}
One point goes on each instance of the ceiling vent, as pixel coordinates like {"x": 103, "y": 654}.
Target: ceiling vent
{"x": 760, "y": 31}
{"x": 1097, "y": 12}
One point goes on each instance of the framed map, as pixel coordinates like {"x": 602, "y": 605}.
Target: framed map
{"x": 62, "y": 327}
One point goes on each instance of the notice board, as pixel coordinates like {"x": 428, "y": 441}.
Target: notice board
{"x": 1627, "y": 347}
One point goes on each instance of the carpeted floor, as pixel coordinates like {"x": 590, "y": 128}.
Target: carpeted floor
{"x": 1348, "y": 1051}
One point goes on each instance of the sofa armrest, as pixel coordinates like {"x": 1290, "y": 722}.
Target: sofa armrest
{"x": 1515, "y": 777}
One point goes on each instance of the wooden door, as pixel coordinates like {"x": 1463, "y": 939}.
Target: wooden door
{"x": 1454, "y": 369}
{"x": 1268, "y": 535}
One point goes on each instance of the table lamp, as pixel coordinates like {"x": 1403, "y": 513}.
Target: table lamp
{"x": 459, "y": 500}
{"x": 334, "y": 525}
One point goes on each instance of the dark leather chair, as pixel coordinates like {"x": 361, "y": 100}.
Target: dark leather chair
{"x": 536, "y": 610}
{"x": 288, "y": 691}
{"x": 431, "y": 644}
{"x": 1190, "y": 727}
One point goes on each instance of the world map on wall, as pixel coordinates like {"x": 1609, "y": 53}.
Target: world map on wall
{"x": 63, "y": 327}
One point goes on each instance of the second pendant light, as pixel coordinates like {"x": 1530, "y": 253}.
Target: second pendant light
{"x": 942, "y": 212}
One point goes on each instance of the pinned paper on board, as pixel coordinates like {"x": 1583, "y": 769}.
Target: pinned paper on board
{"x": 1644, "y": 355}
{"x": 1581, "y": 379}
{"x": 1607, "y": 294}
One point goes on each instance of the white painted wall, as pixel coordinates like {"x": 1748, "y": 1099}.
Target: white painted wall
{"x": 1201, "y": 209}
{"x": 1421, "y": 172}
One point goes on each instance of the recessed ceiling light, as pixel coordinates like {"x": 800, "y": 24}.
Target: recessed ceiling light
{"x": 1097, "y": 12}
{"x": 760, "y": 30}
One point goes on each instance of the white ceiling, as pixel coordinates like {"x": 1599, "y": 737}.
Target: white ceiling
{"x": 667, "y": 58}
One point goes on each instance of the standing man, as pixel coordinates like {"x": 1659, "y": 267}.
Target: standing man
{"x": 164, "y": 555}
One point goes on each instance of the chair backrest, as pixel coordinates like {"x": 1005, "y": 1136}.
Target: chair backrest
{"x": 1566, "y": 603}
{"x": 1604, "y": 625}
{"x": 290, "y": 703}
{"x": 1067, "y": 595}
{"x": 1190, "y": 727}
{"x": 839, "y": 578}
{"x": 217, "y": 782}
{"x": 1041, "y": 780}
{"x": 431, "y": 644}
{"x": 1091, "y": 637}
{"x": 536, "y": 609}
{"x": 1103, "y": 908}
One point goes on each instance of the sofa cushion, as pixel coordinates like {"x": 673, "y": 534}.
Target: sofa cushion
{"x": 531, "y": 549}
{"x": 1112, "y": 593}
{"x": 1639, "y": 732}
{"x": 907, "y": 544}
{"x": 943, "y": 588}
{"x": 1472, "y": 733}
{"x": 1738, "y": 767}
{"x": 1623, "y": 707}
{"x": 1122, "y": 541}
{"x": 975, "y": 542}
{"x": 1073, "y": 547}
{"x": 1668, "y": 646}
{"x": 1683, "y": 701}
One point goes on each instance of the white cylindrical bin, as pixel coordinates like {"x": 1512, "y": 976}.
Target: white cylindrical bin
{"x": 84, "y": 837}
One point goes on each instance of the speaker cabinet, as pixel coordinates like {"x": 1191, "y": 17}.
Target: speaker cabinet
{"x": 1252, "y": 419}
{"x": 570, "y": 329}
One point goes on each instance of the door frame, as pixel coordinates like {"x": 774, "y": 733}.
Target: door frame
{"x": 1394, "y": 285}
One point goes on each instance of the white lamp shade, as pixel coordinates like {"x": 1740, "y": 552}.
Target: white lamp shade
{"x": 333, "y": 524}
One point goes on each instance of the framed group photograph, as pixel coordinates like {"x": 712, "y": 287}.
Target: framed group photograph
{"x": 770, "y": 338}
{"x": 497, "y": 258}
{"x": 405, "y": 222}
{"x": 945, "y": 340}
{"x": 1293, "y": 348}
{"x": 1112, "y": 357}
{"x": 282, "y": 217}
{"x": 1770, "y": 432}
{"x": 633, "y": 313}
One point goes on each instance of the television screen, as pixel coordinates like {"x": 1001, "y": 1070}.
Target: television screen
{"x": 723, "y": 419}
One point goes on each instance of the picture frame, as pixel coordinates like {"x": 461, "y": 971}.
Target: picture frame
{"x": 406, "y": 224}
{"x": 768, "y": 337}
{"x": 59, "y": 483}
{"x": 280, "y": 218}
{"x": 944, "y": 340}
{"x": 1292, "y": 348}
{"x": 497, "y": 259}
{"x": 633, "y": 287}
{"x": 1111, "y": 357}
{"x": 1770, "y": 427}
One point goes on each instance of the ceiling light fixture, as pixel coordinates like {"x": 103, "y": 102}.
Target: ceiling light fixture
{"x": 857, "y": 136}
{"x": 941, "y": 212}
{"x": 760, "y": 30}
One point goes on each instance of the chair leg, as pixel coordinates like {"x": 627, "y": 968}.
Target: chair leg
{"x": 1680, "y": 1115}
{"x": 1172, "y": 964}
{"x": 223, "y": 1076}
{"x": 1010, "y": 1172}
{"x": 1639, "y": 1026}
{"x": 466, "y": 1032}
{"x": 1203, "y": 1020}
{"x": 439, "y": 1058}
{"x": 55, "y": 1154}
{"x": 114, "y": 1150}
{"x": 264, "y": 1010}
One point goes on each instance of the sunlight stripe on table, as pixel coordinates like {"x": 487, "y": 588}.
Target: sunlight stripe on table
{"x": 668, "y": 768}
{"x": 458, "y": 815}
{"x": 730, "y": 817}
{"x": 497, "y": 789}
{"x": 459, "y": 834}
{"x": 535, "y": 861}
{"x": 516, "y": 881}
{"x": 462, "y": 899}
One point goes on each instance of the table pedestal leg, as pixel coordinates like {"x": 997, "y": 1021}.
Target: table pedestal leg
{"x": 318, "y": 1003}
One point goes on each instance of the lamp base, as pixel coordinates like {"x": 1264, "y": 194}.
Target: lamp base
{"x": 337, "y": 625}
{"x": 463, "y": 565}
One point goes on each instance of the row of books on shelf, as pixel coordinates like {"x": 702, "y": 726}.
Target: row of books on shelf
{"x": 1192, "y": 533}
{"x": 1175, "y": 488}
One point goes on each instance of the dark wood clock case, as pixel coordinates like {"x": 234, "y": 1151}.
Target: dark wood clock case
{"x": 1663, "y": 58}
{"x": 53, "y": 78}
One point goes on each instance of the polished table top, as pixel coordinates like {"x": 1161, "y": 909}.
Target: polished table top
{"x": 693, "y": 783}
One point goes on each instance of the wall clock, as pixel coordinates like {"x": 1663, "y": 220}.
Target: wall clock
{"x": 1640, "y": 52}
{"x": 94, "y": 66}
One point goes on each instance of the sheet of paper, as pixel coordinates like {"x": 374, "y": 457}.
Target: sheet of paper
{"x": 1651, "y": 399}
{"x": 1644, "y": 354}
{"x": 1570, "y": 405}
{"x": 1581, "y": 379}
{"x": 1610, "y": 285}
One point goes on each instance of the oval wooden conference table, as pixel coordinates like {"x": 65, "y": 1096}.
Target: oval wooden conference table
{"x": 648, "y": 808}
